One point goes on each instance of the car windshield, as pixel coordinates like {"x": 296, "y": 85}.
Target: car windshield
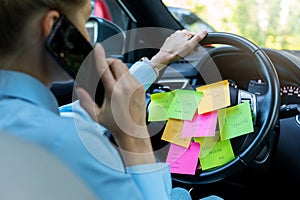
{"x": 268, "y": 23}
{"x": 190, "y": 20}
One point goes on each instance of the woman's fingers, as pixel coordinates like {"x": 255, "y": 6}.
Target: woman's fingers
{"x": 103, "y": 68}
{"x": 198, "y": 37}
{"x": 117, "y": 67}
{"x": 87, "y": 102}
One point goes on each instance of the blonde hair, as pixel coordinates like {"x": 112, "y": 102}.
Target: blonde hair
{"x": 15, "y": 14}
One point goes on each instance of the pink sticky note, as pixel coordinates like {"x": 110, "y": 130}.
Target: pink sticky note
{"x": 202, "y": 125}
{"x": 183, "y": 160}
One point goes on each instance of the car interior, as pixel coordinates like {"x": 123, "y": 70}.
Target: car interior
{"x": 266, "y": 162}
{"x": 30, "y": 172}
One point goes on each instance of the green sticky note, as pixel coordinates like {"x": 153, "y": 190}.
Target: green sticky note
{"x": 235, "y": 121}
{"x": 207, "y": 144}
{"x": 159, "y": 106}
{"x": 184, "y": 104}
{"x": 219, "y": 154}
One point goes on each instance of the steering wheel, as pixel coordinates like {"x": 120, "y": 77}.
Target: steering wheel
{"x": 266, "y": 106}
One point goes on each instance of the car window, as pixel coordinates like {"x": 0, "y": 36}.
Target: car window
{"x": 189, "y": 20}
{"x": 111, "y": 11}
{"x": 268, "y": 23}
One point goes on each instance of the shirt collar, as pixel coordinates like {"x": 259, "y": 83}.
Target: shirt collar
{"x": 20, "y": 85}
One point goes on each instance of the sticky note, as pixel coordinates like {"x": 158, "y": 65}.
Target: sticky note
{"x": 173, "y": 132}
{"x": 215, "y": 96}
{"x": 235, "y": 121}
{"x": 207, "y": 144}
{"x": 159, "y": 106}
{"x": 183, "y": 160}
{"x": 184, "y": 104}
{"x": 215, "y": 154}
{"x": 202, "y": 125}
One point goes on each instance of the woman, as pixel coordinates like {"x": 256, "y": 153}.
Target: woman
{"x": 29, "y": 110}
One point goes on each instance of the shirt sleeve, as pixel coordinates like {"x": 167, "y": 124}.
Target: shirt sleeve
{"x": 153, "y": 180}
{"x": 144, "y": 73}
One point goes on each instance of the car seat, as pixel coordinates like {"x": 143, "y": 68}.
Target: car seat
{"x": 29, "y": 172}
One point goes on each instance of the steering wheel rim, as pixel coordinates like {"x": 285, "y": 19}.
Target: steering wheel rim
{"x": 267, "y": 114}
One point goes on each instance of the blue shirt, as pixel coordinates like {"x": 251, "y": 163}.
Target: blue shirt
{"x": 29, "y": 110}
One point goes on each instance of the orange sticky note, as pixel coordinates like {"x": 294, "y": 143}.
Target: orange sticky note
{"x": 173, "y": 132}
{"x": 215, "y": 96}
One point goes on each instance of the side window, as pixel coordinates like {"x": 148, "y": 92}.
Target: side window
{"x": 111, "y": 11}
{"x": 114, "y": 11}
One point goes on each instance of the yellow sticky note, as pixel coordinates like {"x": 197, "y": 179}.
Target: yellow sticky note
{"x": 173, "y": 132}
{"x": 159, "y": 106}
{"x": 215, "y": 96}
{"x": 217, "y": 153}
{"x": 235, "y": 121}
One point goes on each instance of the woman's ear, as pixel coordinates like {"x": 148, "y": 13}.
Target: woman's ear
{"x": 48, "y": 22}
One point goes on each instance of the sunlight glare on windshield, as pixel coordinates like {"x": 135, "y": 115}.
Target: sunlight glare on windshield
{"x": 268, "y": 23}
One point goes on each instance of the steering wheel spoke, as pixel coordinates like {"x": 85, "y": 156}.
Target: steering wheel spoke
{"x": 244, "y": 96}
